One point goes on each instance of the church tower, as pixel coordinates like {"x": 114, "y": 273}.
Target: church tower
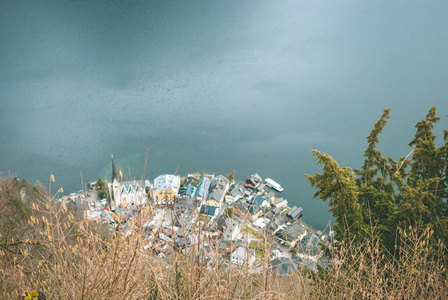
{"x": 114, "y": 171}
{"x": 115, "y": 200}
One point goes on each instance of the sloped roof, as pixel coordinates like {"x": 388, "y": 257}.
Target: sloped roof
{"x": 284, "y": 266}
{"x": 204, "y": 185}
{"x": 269, "y": 195}
{"x": 259, "y": 200}
{"x": 255, "y": 178}
{"x": 238, "y": 190}
{"x": 165, "y": 182}
{"x": 129, "y": 187}
{"x": 208, "y": 210}
{"x": 217, "y": 193}
{"x": 221, "y": 179}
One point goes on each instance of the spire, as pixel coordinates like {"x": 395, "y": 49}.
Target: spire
{"x": 114, "y": 171}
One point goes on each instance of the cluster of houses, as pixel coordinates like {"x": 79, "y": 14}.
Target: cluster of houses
{"x": 208, "y": 217}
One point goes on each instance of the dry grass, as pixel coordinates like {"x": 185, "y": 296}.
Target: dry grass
{"x": 57, "y": 252}
{"x": 66, "y": 257}
{"x": 417, "y": 269}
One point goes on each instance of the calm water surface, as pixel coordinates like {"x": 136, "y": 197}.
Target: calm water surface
{"x": 214, "y": 86}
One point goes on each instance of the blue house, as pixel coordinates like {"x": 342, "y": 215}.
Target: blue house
{"x": 208, "y": 210}
{"x": 191, "y": 185}
{"x": 259, "y": 200}
{"x": 204, "y": 185}
{"x": 191, "y": 190}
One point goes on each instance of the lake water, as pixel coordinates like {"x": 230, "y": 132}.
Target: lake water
{"x": 213, "y": 85}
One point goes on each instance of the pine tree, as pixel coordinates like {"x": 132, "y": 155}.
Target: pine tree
{"x": 231, "y": 176}
{"x": 423, "y": 200}
{"x": 389, "y": 194}
{"x": 376, "y": 190}
{"x": 339, "y": 186}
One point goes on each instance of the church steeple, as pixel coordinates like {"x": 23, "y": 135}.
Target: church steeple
{"x": 114, "y": 171}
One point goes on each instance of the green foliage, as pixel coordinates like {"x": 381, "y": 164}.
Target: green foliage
{"x": 101, "y": 187}
{"x": 100, "y": 184}
{"x": 22, "y": 210}
{"x": 386, "y": 193}
{"x": 339, "y": 186}
{"x": 101, "y": 194}
{"x": 231, "y": 176}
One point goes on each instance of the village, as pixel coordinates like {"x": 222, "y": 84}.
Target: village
{"x": 208, "y": 218}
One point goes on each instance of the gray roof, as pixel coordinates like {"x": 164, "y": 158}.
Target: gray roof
{"x": 261, "y": 187}
{"x": 297, "y": 213}
{"x": 269, "y": 214}
{"x": 269, "y": 195}
{"x": 254, "y": 208}
{"x": 221, "y": 179}
{"x": 293, "y": 231}
{"x": 284, "y": 266}
{"x": 291, "y": 211}
{"x": 191, "y": 180}
{"x": 238, "y": 190}
{"x": 242, "y": 206}
{"x": 278, "y": 201}
{"x": 255, "y": 178}
{"x": 217, "y": 193}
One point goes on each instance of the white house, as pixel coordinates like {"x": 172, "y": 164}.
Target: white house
{"x": 242, "y": 256}
{"x": 166, "y": 188}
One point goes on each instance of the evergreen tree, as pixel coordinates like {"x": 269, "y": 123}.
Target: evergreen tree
{"x": 423, "y": 200}
{"x": 389, "y": 194}
{"x": 339, "y": 186}
{"x": 376, "y": 190}
{"x": 231, "y": 176}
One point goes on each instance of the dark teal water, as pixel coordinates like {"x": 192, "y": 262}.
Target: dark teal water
{"x": 214, "y": 86}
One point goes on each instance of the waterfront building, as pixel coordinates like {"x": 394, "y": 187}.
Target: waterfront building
{"x": 191, "y": 184}
{"x": 204, "y": 185}
{"x": 238, "y": 190}
{"x": 269, "y": 196}
{"x": 253, "y": 181}
{"x": 127, "y": 192}
{"x": 280, "y": 203}
{"x": 166, "y": 188}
